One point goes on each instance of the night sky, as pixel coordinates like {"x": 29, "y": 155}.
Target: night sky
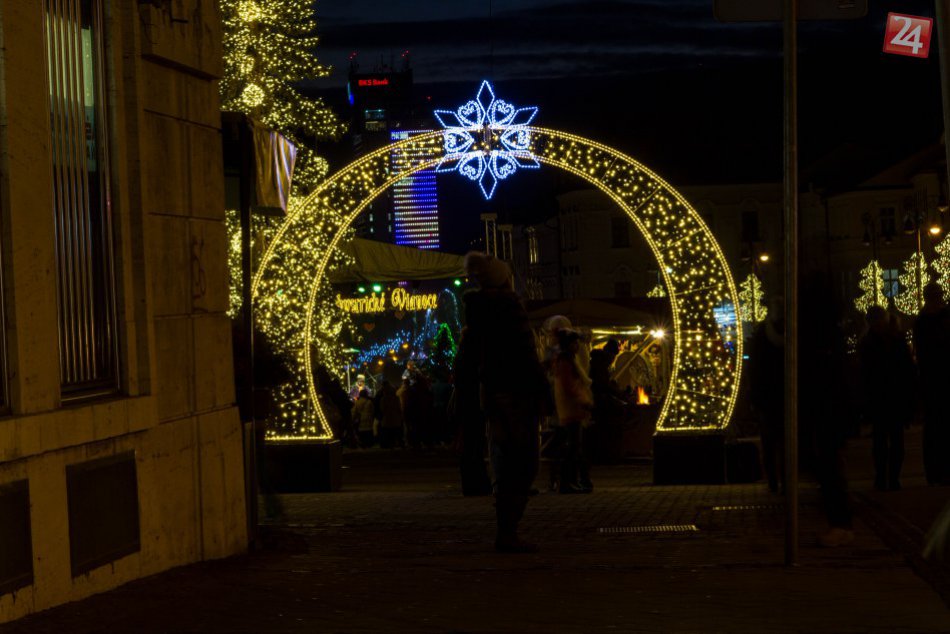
{"x": 697, "y": 100}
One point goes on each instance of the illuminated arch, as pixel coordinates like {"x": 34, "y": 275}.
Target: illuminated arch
{"x": 707, "y": 342}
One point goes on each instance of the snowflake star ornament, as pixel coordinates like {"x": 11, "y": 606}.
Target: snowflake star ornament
{"x": 486, "y": 139}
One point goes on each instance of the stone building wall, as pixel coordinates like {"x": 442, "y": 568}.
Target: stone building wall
{"x": 175, "y": 406}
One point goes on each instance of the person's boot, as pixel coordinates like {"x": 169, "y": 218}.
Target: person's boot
{"x": 508, "y": 511}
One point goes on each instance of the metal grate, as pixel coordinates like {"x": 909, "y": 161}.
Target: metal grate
{"x": 655, "y": 528}
{"x": 78, "y": 152}
{"x": 748, "y": 507}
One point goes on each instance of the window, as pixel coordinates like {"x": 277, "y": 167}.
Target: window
{"x": 375, "y": 126}
{"x": 80, "y": 168}
{"x": 533, "y": 254}
{"x": 619, "y": 232}
{"x": 569, "y": 231}
{"x": 887, "y": 217}
{"x": 891, "y": 285}
{"x": 377, "y": 114}
{"x": 750, "y": 226}
{"x": 622, "y": 289}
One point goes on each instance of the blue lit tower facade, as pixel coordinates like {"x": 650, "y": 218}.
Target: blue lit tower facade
{"x": 385, "y": 109}
{"x": 415, "y": 199}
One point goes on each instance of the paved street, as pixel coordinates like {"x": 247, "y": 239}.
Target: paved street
{"x": 401, "y": 550}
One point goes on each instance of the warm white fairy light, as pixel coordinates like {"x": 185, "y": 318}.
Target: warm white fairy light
{"x": 707, "y": 351}
{"x": 268, "y": 50}
{"x": 872, "y": 285}
{"x": 941, "y": 265}
{"x": 913, "y": 279}
{"x": 657, "y": 291}
{"x": 750, "y": 300}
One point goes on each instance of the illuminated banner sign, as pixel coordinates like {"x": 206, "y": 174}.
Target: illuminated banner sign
{"x": 398, "y": 299}
{"x": 372, "y": 81}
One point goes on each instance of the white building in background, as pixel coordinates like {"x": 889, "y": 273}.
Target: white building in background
{"x": 881, "y": 219}
{"x": 591, "y": 249}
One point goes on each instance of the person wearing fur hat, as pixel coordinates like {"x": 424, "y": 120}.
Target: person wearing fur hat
{"x": 500, "y": 355}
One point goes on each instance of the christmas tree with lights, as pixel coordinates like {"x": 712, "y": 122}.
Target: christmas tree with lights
{"x": 268, "y": 49}
{"x": 913, "y": 280}
{"x": 751, "y": 308}
{"x": 941, "y": 265}
{"x": 872, "y": 285}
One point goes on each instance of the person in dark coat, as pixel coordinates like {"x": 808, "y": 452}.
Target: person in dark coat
{"x": 932, "y": 347}
{"x": 887, "y": 380}
{"x": 513, "y": 388}
{"x": 767, "y": 387}
{"x": 465, "y": 412}
{"x": 390, "y": 417}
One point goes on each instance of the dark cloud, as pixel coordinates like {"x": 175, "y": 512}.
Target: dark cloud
{"x": 564, "y": 38}
{"x": 696, "y": 97}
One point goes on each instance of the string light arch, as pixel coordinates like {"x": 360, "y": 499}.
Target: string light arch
{"x": 707, "y": 341}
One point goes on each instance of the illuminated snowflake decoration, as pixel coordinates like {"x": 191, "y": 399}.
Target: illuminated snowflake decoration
{"x": 487, "y": 139}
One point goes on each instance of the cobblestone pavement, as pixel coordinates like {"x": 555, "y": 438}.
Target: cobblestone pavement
{"x": 401, "y": 550}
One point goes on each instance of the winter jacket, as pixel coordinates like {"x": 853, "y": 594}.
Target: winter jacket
{"x": 363, "y": 414}
{"x": 572, "y": 393}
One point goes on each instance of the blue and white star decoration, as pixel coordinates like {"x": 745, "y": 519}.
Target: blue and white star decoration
{"x": 487, "y": 139}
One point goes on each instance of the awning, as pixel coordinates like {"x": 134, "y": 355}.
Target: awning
{"x": 383, "y": 262}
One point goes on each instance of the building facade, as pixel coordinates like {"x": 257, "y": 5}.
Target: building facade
{"x": 384, "y": 110}
{"x": 592, "y": 249}
{"x": 121, "y": 450}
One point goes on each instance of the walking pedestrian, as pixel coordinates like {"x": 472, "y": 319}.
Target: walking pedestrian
{"x": 574, "y": 403}
{"x": 932, "y": 347}
{"x": 824, "y": 413}
{"x": 390, "y": 417}
{"x": 553, "y": 434}
{"x": 363, "y": 417}
{"x": 767, "y": 386}
{"x": 887, "y": 378}
{"x": 465, "y": 412}
{"x": 514, "y": 391}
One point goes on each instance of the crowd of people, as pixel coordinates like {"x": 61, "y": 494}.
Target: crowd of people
{"x": 495, "y": 402}
{"x": 899, "y": 375}
{"x": 414, "y": 415}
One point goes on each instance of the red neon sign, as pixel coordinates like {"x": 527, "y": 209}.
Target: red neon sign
{"x": 373, "y": 82}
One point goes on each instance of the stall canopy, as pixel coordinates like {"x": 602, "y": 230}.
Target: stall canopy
{"x": 382, "y": 262}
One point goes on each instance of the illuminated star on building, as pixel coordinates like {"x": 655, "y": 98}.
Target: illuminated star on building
{"x": 486, "y": 139}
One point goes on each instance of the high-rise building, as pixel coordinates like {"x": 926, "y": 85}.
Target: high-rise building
{"x": 385, "y": 109}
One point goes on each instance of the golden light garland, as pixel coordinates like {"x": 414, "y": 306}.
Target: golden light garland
{"x": 941, "y": 265}
{"x": 707, "y": 343}
{"x": 913, "y": 280}
{"x": 872, "y": 283}
{"x": 268, "y": 49}
{"x": 750, "y": 300}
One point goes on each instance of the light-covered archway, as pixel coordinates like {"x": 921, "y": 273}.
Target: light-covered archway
{"x": 707, "y": 342}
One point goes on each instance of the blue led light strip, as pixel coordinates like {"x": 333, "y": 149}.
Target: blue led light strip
{"x": 415, "y": 198}
{"x": 486, "y": 139}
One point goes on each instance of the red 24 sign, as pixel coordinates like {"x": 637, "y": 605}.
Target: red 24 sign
{"x": 907, "y": 35}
